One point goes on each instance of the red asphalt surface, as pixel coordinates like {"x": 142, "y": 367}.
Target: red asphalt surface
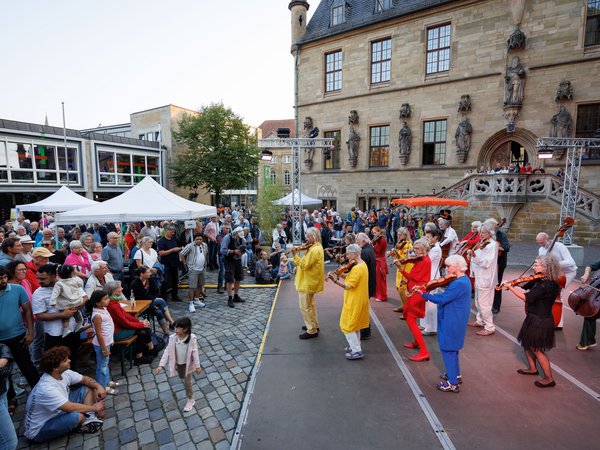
{"x": 307, "y": 395}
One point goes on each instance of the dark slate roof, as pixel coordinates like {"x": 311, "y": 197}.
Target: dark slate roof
{"x": 120, "y": 140}
{"x": 362, "y": 13}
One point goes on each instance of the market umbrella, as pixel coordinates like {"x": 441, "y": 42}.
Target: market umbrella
{"x": 415, "y": 202}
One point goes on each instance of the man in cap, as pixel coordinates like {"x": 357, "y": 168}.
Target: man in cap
{"x": 233, "y": 247}
{"x": 27, "y": 247}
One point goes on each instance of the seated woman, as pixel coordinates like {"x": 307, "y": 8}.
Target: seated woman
{"x": 143, "y": 287}
{"x": 126, "y": 325}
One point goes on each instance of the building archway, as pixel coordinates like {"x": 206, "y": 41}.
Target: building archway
{"x": 505, "y": 148}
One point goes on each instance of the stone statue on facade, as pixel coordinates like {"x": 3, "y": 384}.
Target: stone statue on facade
{"x": 353, "y": 118}
{"x": 353, "y": 143}
{"x": 463, "y": 139}
{"x": 517, "y": 40}
{"x": 564, "y": 92}
{"x": 308, "y": 126}
{"x": 561, "y": 124}
{"x": 405, "y": 111}
{"x": 465, "y": 103}
{"x": 515, "y": 83}
{"x": 404, "y": 141}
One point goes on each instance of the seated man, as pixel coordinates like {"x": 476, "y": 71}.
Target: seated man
{"x": 54, "y": 409}
{"x": 263, "y": 269}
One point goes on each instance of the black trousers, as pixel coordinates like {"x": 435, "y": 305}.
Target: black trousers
{"x": 498, "y": 294}
{"x": 22, "y": 357}
{"x": 213, "y": 248}
{"x": 171, "y": 282}
{"x": 588, "y": 331}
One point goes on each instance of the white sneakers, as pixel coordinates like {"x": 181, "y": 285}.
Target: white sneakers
{"x": 189, "y": 405}
{"x": 191, "y": 308}
{"x": 193, "y": 304}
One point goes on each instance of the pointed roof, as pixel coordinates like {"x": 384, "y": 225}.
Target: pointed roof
{"x": 62, "y": 200}
{"x": 270, "y": 126}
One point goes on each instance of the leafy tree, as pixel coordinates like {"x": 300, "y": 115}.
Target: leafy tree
{"x": 268, "y": 213}
{"x": 219, "y": 153}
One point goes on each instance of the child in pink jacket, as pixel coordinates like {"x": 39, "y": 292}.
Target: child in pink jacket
{"x": 182, "y": 355}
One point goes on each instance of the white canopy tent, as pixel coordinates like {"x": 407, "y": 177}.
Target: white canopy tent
{"x": 62, "y": 200}
{"x": 147, "y": 200}
{"x": 305, "y": 200}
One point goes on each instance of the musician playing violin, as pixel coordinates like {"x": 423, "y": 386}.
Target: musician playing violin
{"x": 588, "y": 331}
{"x": 537, "y": 332}
{"x": 380, "y": 246}
{"x": 429, "y": 322}
{"x": 401, "y": 251}
{"x": 468, "y": 242}
{"x": 453, "y": 314}
{"x": 355, "y": 312}
{"x": 449, "y": 238}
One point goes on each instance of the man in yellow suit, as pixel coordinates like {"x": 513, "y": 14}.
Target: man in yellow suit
{"x": 355, "y": 313}
{"x": 309, "y": 281}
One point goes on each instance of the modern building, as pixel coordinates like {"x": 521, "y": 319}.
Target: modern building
{"x": 422, "y": 93}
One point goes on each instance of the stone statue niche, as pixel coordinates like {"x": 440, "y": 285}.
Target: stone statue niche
{"x": 353, "y": 144}
{"x": 308, "y": 126}
{"x": 405, "y": 111}
{"x": 562, "y": 126}
{"x": 517, "y": 40}
{"x": 404, "y": 141}
{"x": 515, "y": 83}
{"x": 353, "y": 118}
{"x": 564, "y": 91}
{"x": 463, "y": 139}
{"x": 464, "y": 105}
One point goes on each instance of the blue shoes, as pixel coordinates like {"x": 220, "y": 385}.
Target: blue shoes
{"x": 355, "y": 355}
{"x": 446, "y": 386}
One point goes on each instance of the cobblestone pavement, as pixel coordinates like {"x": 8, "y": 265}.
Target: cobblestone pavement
{"x": 147, "y": 413}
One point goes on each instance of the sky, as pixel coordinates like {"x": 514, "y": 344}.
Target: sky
{"x": 106, "y": 59}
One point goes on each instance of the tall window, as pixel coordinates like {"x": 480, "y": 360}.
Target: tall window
{"x": 438, "y": 49}
{"x": 333, "y": 162}
{"x": 273, "y": 176}
{"x": 381, "y": 60}
{"x": 382, "y": 5}
{"x": 379, "y": 149}
{"x": 588, "y": 124}
{"x": 286, "y": 178}
{"x": 434, "y": 142}
{"x": 338, "y": 12}
{"x": 333, "y": 71}
{"x": 592, "y": 25}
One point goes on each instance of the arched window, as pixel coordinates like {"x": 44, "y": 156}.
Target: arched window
{"x": 273, "y": 177}
{"x": 286, "y": 177}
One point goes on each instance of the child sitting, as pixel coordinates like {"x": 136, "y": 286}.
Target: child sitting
{"x": 68, "y": 293}
{"x": 284, "y": 269}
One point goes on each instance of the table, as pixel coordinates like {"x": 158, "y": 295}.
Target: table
{"x": 140, "y": 306}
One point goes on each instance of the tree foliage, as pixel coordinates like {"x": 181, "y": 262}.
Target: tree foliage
{"x": 268, "y": 213}
{"x": 219, "y": 152}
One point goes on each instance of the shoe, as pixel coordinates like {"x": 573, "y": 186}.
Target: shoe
{"x": 111, "y": 390}
{"x": 475, "y": 324}
{"x": 429, "y": 333}
{"x": 592, "y": 345}
{"x": 189, "y": 405}
{"x": 582, "y": 347}
{"x": 446, "y": 386}
{"x": 444, "y": 376}
{"x": 143, "y": 360}
{"x": 495, "y": 310}
{"x": 237, "y": 299}
{"x": 307, "y": 335}
{"x": 91, "y": 425}
{"x": 348, "y": 350}
{"x": 485, "y": 332}
{"x": 230, "y": 303}
{"x": 527, "y": 372}
{"x": 545, "y": 385}
{"x": 558, "y": 328}
{"x": 113, "y": 384}
{"x": 419, "y": 357}
{"x": 399, "y": 309}
{"x": 304, "y": 328}
{"x": 192, "y": 308}
{"x": 411, "y": 345}
{"x": 220, "y": 290}
{"x": 379, "y": 300}
{"x": 355, "y": 355}
{"x": 421, "y": 327}
{"x": 199, "y": 303}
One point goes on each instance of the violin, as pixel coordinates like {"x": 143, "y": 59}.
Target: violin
{"x": 345, "y": 268}
{"x": 521, "y": 280}
{"x": 377, "y": 237}
{"x": 410, "y": 259}
{"x": 395, "y": 252}
{"x": 300, "y": 248}
{"x": 435, "y": 283}
{"x": 480, "y": 245}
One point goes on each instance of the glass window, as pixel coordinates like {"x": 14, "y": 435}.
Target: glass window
{"x": 3, "y": 162}
{"x": 379, "y": 149}
{"x": 381, "y": 61}
{"x": 152, "y": 165}
{"x": 434, "y": 142}
{"x": 333, "y": 71}
{"x": 592, "y": 24}
{"x": 73, "y": 177}
{"x": 19, "y": 156}
{"x": 337, "y": 14}
{"x": 382, "y": 5}
{"x": 142, "y": 137}
{"x": 588, "y": 126}
{"x": 71, "y": 158}
{"x": 286, "y": 159}
{"x": 124, "y": 180}
{"x": 123, "y": 163}
{"x": 106, "y": 161}
{"x": 333, "y": 162}
{"x": 438, "y": 49}
{"x": 45, "y": 157}
{"x": 157, "y": 136}
{"x": 139, "y": 167}
{"x": 286, "y": 178}
{"x": 273, "y": 177}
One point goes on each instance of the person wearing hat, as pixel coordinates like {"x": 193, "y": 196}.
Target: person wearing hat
{"x": 27, "y": 247}
{"x": 39, "y": 257}
{"x": 233, "y": 247}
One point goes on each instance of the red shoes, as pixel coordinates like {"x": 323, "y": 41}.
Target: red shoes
{"x": 411, "y": 345}
{"x": 419, "y": 357}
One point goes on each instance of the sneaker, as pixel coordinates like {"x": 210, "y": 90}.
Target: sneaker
{"x": 429, "y": 333}
{"x": 191, "y": 308}
{"x": 485, "y": 332}
{"x": 446, "y": 386}
{"x": 189, "y": 405}
{"x": 307, "y": 335}
{"x": 230, "y": 303}
{"x": 91, "y": 425}
{"x": 199, "y": 303}
{"x": 220, "y": 290}
{"x": 444, "y": 376}
{"x": 355, "y": 355}
{"x": 582, "y": 347}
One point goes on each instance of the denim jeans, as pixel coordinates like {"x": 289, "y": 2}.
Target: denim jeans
{"x": 160, "y": 306}
{"x": 102, "y": 369}
{"x": 37, "y": 346}
{"x": 64, "y": 422}
{"x": 8, "y": 435}
{"x": 221, "y": 270}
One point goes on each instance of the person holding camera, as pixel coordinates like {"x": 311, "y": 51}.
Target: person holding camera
{"x": 233, "y": 247}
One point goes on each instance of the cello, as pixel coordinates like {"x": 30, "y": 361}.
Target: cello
{"x": 585, "y": 301}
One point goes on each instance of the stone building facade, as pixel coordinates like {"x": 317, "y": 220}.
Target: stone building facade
{"x": 421, "y": 93}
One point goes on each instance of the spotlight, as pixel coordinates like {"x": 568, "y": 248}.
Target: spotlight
{"x": 545, "y": 153}
{"x": 313, "y": 133}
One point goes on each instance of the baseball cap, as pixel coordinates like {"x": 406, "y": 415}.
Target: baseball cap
{"x": 41, "y": 251}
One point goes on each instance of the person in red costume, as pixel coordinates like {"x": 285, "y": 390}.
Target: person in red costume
{"x": 468, "y": 242}
{"x": 415, "y": 304}
{"x": 380, "y": 246}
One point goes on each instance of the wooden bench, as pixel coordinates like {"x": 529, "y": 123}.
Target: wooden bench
{"x": 126, "y": 350}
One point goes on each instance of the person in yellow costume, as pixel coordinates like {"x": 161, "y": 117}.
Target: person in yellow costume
{"x": 309, "y": 281}
{"x": 355, "y": 313}
{"x": 402, "y": 250}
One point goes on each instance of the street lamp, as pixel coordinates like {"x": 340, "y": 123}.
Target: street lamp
{"x": 266, "y": 155}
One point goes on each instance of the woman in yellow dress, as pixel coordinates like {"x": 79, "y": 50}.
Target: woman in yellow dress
{"x": 355, "y": 312}
{"x": 403, "y": 248}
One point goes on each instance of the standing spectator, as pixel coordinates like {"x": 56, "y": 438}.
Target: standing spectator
{"x": 80, "y": 259}
{"x": 34, "y": 230}
{"x": 8, "y": 435}
{"x": 503, "y": 249}
{"x": 27, "y": 247}
{"x": 113, "y": 255}
{"x": 210, "y": 232}
{"x": 11, "y": 247}
{"x": 195, "y": 257}
{"x": 130, "y": 238}
{"x": 99, "y": 233}
{"x": 225, "y": 230}
{"x": 232, "y": 249}
{"x": 146, "y": 255}
{"x": 41, "y": 256}
{"x": 104, "y": 329}
{"x": 168, "y": 250}
{"x": 57, "y": 257}
{"x": 96, "y": 254}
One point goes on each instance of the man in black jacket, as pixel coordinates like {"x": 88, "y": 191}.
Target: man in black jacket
{"x": 367, "y": 254}
{"x": 503, "y": 248}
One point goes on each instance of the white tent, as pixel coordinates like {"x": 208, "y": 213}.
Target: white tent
{"x": 305, "y": 200}
{"x": 62, "y": 200}
{"x": 147, "y": 200}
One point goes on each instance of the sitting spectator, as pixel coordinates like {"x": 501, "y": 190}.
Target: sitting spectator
{"x": 284, "y": 271}
{"x": 80, "y": 259}
{"x": 66, "y": 294}
{"x": 560, "y": 173}
{"x": 126, "y": 325}
{"x": 143, "y": 287}
{"x": 263, "y": 269}
{"x": 54, "y": 409}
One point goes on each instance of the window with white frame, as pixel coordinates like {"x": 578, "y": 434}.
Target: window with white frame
{"x": 333, "y": 71}
{"x": 125, "y": 168}
{"x": 338, "y": 12}
{"x": 273, "y": 176}
{"x": 381, "y": 60}
{"x": 438, "y": 49}
{"x": 287, "y": 159}
{"x": 382, "y": 5}
{"x": 286, "y": 178}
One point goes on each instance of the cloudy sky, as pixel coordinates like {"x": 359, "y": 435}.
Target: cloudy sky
{"x": 108, "y": 58}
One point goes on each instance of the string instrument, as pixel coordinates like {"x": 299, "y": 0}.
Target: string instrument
{"x": 520, "y": 280}
{"x": 377, "y": 237}
{"x": 435, "y": 283}
{"x": 395, "y": 252}
{"x": 343, "y": 269}
{"x": 585, "y": 301}
{"x": 479, "y": 246}
{"x": 301, "y": 248}
{"x": 410, "y": 259}
{"x": 465, "y": 245}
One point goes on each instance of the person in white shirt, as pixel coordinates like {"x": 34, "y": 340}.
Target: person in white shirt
{"x": 450, "y": 237}
{"x": 146, "y": 256}
{"x": 195, "y": 255}
{"x": 484, "y": 267}
{"x": 435, "y": 255}
{"x": 564, "y": 258}
{"x": 54, "y": 409}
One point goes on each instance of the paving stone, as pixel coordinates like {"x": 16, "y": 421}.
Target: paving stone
{"x": 223, "y": 445}
{"x": 205, "y": 413}
{"x": 177, "y": 425}
{"x": 199, "y": 434}
{"x": 156, "y": 414}
{"x": 143, "y": 425}
{"x": 112, "y": 444}
{"x": 160, "y": 424}
{"x": 164, "y": 436}
{"x": 139, "y": 415}
{"x": 227, "y": 398}
{"x": 211, "y": 422}
{"x": 146, "y": 437}
{"x": 216, "y": 434}
{"x": 222, "y": 414}
{"x": 228, "y": 424}
{"x": 112, "y": 433}
{"x": 217, "y": 404}
{"x": 136, "y": 387}
{"x": 130, "y": 446}
{"x": 126, "y": 423}
{"x": 169, "y": 446}
{"x": 206, "y": 445}
{"x": 193, "y": 421}
{"x": 127, "y": 435}
{"x": 182, "y": 437}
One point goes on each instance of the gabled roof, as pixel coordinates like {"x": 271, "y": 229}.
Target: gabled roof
{"x": 361, "y": 13}
{"x": 270, "y": 126}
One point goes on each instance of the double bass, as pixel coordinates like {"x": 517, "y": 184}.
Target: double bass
{"x": 585, "y": 301}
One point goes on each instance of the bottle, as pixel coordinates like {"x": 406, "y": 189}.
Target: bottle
{"x": 132, "y": 300}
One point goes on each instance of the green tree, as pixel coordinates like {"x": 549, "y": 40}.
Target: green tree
{"x": 219, "y": 153}
{"x": 268, "y": 213}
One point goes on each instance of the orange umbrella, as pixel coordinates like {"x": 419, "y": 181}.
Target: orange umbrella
{"x": 414, "y": 202}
